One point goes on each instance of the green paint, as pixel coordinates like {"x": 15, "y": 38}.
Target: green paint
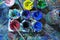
{"x": 41, "y": 4}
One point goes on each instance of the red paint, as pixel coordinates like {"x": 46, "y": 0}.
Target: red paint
{"x": 14, "y": 24}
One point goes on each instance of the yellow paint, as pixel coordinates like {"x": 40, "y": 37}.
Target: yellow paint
{"x": 28, "y": 5}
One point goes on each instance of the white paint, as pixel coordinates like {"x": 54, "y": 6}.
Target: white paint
{"x": 9, "y": 3}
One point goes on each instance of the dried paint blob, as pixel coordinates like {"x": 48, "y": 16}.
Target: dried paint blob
{"x": 37, "y": 26}
{"x": 14, "y": 24}
{"x": 14, "y": 14}
{"x": 41, "y": 4}
{"x": 9, "y": 3}
{"x": 25, "y": 24}
{"x": 53, "y": 17}
{"x": 26, "y": 14}
{"x": 37, "y": 15}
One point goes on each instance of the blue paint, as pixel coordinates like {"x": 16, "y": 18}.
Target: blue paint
{"x": 44, "y": 38}
{"x": 37, "y": 15}
{"x": 26, "y": 14}
{"x": 37, "y": 26}
{"x": 1, "y": 37}
{"x": 16, "y": 12}
{"x": 3, "y": 13}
